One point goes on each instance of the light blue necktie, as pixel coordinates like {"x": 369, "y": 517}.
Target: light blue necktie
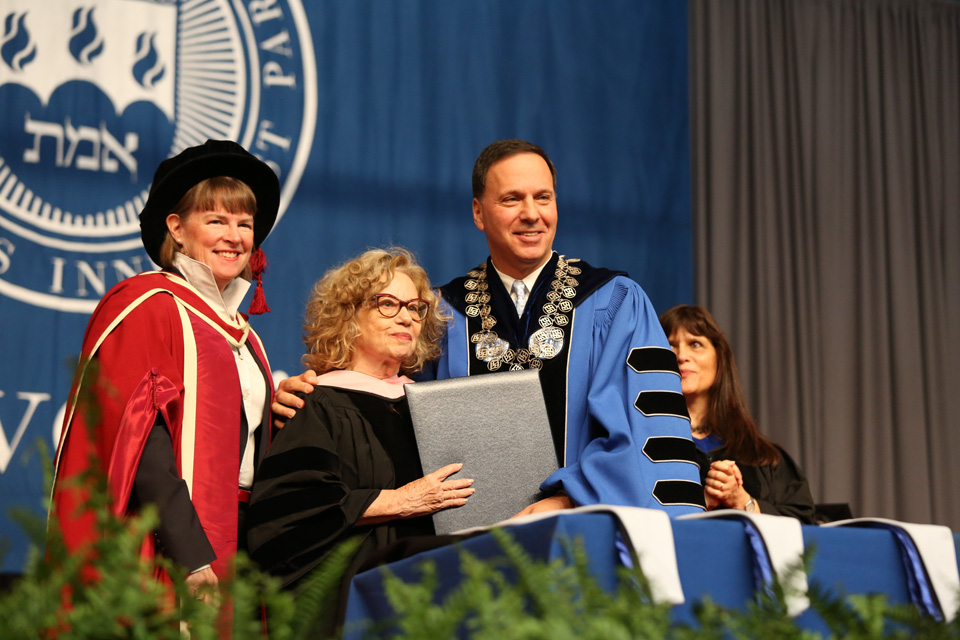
{"x": 520, "y": 292}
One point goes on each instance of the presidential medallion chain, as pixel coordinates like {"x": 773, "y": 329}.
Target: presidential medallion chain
{"x": 545, "y": 343}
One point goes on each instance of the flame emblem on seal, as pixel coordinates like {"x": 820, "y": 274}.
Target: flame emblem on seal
{"x": 17, "y": 47}
{"x": 86, "y": 41}
{"x": 148, "y": 69}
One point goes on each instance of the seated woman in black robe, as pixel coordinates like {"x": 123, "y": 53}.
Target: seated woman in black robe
{"x": 739, "y": 467}
{"x": 347, "y": 464}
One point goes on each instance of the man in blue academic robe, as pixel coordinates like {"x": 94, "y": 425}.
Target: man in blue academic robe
{"x": 609, "y": 378}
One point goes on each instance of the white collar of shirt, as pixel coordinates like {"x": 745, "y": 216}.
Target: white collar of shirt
{"x": 252, "y": 385}
{"x": 200, "y": 277}
{"x": 529, "y": 281}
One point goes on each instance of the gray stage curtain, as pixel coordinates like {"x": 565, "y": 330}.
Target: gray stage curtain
{"x": 826, "y": 150}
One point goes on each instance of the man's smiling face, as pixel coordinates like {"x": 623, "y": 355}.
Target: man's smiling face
{"x": 518, "y": 213}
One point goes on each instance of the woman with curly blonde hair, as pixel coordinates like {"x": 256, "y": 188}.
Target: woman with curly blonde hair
{"x": 331, "y": 328}
{"x": 347, "y": 463}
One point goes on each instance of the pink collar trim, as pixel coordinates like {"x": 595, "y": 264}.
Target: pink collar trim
{"x": 388, "y": 388}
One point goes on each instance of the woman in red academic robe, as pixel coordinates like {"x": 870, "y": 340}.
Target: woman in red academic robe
{"x": 172, "y": 394}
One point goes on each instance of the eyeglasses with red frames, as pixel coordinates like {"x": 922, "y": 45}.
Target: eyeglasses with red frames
{"x": 389, "y": 306}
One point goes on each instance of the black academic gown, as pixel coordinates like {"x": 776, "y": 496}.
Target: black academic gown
{"x": 322, "y": 472}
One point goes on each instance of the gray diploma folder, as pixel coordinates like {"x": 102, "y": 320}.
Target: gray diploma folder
{"x": 496, "y": 425}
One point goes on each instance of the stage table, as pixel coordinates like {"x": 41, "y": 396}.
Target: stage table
{"x": 714, "y": 559}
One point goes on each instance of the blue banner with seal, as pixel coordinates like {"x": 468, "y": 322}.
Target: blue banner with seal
{"x": 371, "y": 113}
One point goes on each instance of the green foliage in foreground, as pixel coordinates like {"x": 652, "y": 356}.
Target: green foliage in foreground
{"x": 511, "y": 596}
{"x": 126, "y": 602}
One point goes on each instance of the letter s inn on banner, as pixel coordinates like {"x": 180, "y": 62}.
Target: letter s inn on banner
{"x": 94, "y": 94}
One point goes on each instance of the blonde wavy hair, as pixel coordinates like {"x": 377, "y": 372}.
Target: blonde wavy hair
{"x": 331, "y": 330}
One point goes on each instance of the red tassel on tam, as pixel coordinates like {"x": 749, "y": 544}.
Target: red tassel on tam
{"x": 258, "y": 265}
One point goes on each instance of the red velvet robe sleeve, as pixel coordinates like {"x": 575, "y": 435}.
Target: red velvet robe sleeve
{"x": 135, "y": 372}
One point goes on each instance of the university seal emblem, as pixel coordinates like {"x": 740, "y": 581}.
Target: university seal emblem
{"x": 98, "y": 92}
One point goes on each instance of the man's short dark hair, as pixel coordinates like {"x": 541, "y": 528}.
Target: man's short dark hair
{"x": 498, "y": 151}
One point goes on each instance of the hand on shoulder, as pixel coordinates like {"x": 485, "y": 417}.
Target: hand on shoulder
{"x": 285, "y": 402}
